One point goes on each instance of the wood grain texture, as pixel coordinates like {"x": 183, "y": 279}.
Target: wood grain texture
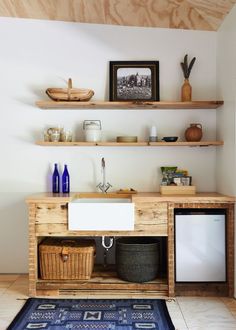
{"x": 171, "y": 251}
{"x": 103, "y": 294}
{"x": 51, "y": 219}
{"x": 154, "y": 216}
{"x": 51, "y": 213}
{"x": 130, "y": 144}
{"x": 181, "y": 14}
{"x": 51, "y": 198}
{"x": 32, "y": 252}
{"x": 204, "y": 197}
{"x": 126, "y": 105}
{"x": 230, "y": 248}
{"x": 202, "y": 289}
{"x": 151, "y": 216}
{"x": 178, "y": 190}
{"x": 101, "y": 280}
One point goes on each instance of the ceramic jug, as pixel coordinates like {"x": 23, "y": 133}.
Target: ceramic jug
{"x": 93, "y": 130}
{"x": 193, "y": 133}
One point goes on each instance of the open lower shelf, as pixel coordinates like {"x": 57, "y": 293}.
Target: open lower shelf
{"x": 104, "y": 282}
{"x": 128, "y": 105}
{"x": 133, "y": 144}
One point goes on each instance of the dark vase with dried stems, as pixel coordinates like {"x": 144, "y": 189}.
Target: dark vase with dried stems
{"x": 186, "y": 90}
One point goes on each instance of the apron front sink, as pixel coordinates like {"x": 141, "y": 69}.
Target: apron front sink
{"x": 101, "y": 214}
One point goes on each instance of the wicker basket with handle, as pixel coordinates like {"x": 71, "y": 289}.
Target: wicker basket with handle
{"x": 61, "y": 259}
{"x": 69, "y": 93}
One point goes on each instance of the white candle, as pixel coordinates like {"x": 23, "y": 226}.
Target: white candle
{"x": 153, "y": 131}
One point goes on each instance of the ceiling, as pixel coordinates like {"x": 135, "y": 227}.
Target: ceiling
{"x": 176, "y": 14}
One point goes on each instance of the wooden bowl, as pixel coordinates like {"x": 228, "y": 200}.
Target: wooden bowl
{"x": 69, "y": 93}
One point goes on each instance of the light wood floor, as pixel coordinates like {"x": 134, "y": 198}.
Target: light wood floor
{"x": 191, "y": 313}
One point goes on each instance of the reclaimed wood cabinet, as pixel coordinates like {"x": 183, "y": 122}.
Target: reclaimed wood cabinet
{"x": 154, "y": 216}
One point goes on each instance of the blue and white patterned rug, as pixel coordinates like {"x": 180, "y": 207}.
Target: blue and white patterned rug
{"x": 70, "y": 314}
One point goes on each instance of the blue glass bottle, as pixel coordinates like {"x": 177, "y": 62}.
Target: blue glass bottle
{"x": 55, "y": 180}
{"x": 65, "y": 181}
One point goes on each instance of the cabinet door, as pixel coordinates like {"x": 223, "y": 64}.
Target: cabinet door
{"x": 151, "y": 218}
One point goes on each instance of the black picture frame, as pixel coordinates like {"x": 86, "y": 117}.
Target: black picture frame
{"x": 134, "y": 81}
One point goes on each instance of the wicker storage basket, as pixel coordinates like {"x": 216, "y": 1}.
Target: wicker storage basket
{"x": 61, "y": 259}
{"x": 69, "y": 93}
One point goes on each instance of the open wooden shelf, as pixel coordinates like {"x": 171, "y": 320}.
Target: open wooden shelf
{"x": 129, "y": 105}
{"x": 104, "y": 281}
{"x": 133, "y": 144}
{"x": 186, "y": 144}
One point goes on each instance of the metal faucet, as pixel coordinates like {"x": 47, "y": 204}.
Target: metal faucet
{"x": 103, "y": 185}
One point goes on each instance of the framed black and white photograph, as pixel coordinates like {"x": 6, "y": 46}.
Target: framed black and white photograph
{"x": 134, "y": 81}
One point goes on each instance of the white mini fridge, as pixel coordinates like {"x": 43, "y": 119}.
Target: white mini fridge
{"x": 200, "y": 245}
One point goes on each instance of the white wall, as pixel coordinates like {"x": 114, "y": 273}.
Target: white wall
{"x": 226, "y": 88}
{"x": 39, "y": 54}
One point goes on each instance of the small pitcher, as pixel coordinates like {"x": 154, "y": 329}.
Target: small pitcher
{"x": 54, "y": 134}
{"x": 193, "y": 133}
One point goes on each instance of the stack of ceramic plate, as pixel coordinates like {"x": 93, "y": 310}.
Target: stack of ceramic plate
{"x": 127, "y": 139}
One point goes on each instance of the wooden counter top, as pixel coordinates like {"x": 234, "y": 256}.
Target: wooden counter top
{"x": 205, "y": 197}
{"x": 50, "y": 198}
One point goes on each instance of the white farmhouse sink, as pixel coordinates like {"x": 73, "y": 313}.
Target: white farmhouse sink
{"x": 101, "y": 214}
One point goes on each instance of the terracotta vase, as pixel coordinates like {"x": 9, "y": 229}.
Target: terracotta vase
{"x": 193, "y": 133}
{"x": 186, "y": 91}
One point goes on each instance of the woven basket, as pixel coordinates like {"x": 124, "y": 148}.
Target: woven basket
{"x": 69, "y": 93}
{"x": 137, "y": 259}
{"x": 62, "y": 259}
